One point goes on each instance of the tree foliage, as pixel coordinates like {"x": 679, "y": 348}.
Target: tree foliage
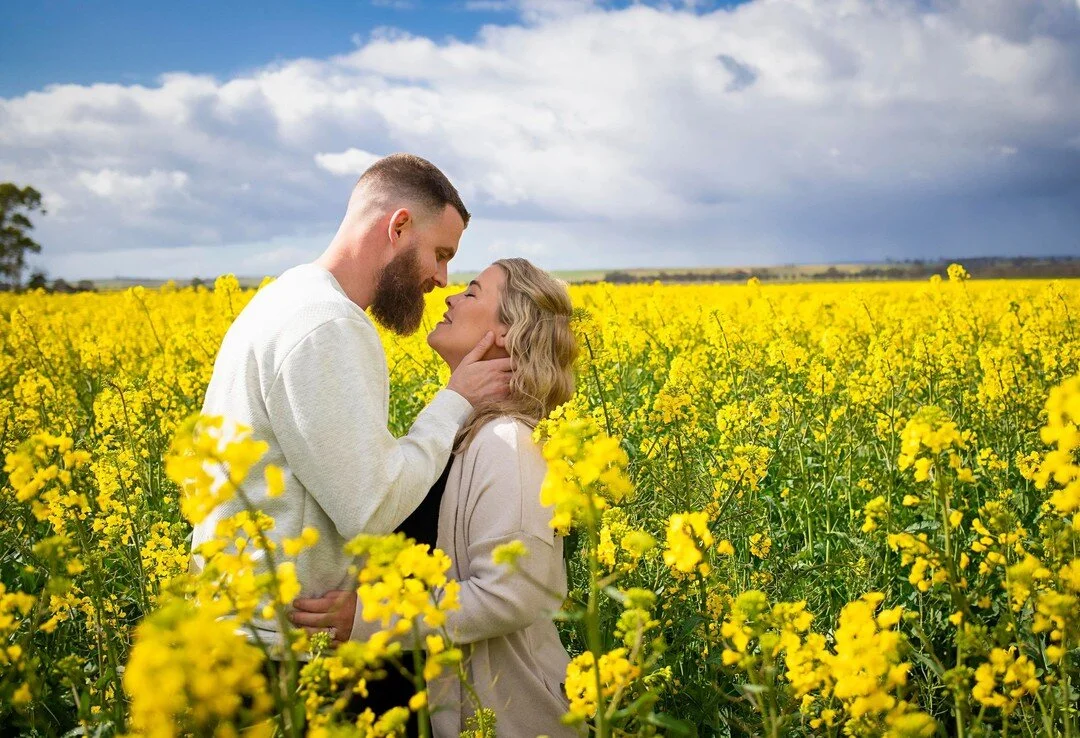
{"x": 15, "y": 205}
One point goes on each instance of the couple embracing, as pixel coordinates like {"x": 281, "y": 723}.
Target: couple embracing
{"x": 303, "y": 366}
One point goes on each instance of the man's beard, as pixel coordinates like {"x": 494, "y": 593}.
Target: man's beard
{"x": 398, "y": 304}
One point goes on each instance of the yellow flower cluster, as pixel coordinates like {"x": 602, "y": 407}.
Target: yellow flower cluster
{"x": 773, "y": 629}
{"x": 932, "y": 431}
{"x": 210, "y": 459}
{"x": 15, "y": 607}
{"x": 42, "y": 472}
{"x": 586, "y": 470}
{"x": 760, "y": 545}
{"x": 927, "y": 567}
{"x": 873, "y": 512}
{"x": 1060, "y": 465}
{"x": 620, "y": 546}
{"x": 616, "y": 673}
{"x": 1004, "y": 679}
{"x": 862, "y": 672}
{"x": 402, "y": 581}
{"x": 191, "y": 673}
{"x": 689, "y": 541}
{"x": 330, "y": 680}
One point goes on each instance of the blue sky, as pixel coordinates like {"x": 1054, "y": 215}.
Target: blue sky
{"x": 203, "y": 138}
{"x": 75, "y": 41}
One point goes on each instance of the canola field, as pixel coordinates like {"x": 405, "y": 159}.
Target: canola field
{"x": 790, "y": 510}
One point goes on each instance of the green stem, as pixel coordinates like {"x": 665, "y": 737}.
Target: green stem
{"x": 419, "y": 684}
{"x": 592, "y": 621}
{"x": 295, "y": 724}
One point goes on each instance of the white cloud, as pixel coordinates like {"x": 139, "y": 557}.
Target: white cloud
{"x": 352, "y": 162}
{"x": 793, "y": 129}
{"x": 132, "y": 190}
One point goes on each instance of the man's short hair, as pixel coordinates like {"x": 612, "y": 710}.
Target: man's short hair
{"x": 407, "y": 177}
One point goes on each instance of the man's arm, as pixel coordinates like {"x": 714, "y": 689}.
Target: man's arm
{"x": 327, "y": 407}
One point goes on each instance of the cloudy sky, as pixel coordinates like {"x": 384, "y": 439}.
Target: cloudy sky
{"x": 183, "y": 139}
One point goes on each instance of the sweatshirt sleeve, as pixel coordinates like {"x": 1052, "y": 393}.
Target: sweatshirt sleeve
{"x": 328, "y": 409}
{"x": 505, "y": 507}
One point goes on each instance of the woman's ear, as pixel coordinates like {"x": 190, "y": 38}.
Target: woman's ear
{"x": 500, "y": 338}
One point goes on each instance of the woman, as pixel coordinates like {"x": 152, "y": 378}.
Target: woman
{"x": 490, "y": 495}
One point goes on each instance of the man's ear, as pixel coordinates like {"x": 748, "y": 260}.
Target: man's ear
{"x": 400, "y": 221}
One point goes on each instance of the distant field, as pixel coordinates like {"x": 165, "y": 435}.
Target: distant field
{"x": 980, "y": 267}
{"x": 572, "y": 276}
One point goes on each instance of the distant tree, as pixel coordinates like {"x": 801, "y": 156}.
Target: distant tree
{"x": 38, "y": 281}
{"x": 61, "y": 285}
{"x": 198, "y": 282}
{"x": 15, "y": 204}
{"x": 85, "y": 285}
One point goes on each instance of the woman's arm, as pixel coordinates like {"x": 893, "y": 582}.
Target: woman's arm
{"x": 508, "y": 470}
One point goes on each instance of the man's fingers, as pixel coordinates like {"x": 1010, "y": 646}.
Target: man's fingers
{"x": 315, "y": 604}
{"x": 329, "y": 602}
{"x": 479, "y": 350}
{"x": 500, "y": 365}
{"x": 319, "y": 621}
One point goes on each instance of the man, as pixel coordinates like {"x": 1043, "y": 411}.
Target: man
{"x": 303, "y": 366}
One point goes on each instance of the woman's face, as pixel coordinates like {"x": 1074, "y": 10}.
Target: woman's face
{"x": 469, "y": 315}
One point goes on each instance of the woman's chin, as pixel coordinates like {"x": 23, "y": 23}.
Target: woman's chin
{"x": 437, "y": 345}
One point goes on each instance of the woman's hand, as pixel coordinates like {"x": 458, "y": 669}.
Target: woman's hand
{"x": 332, "y": 613}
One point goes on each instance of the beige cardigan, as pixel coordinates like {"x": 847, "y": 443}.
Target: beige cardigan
{"x": 513, "y": 656}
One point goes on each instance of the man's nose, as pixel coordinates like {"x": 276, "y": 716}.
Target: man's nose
{"x": 440, "y": 275}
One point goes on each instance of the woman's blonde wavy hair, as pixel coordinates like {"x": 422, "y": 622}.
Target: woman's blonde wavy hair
{"x": 536, "y": 309}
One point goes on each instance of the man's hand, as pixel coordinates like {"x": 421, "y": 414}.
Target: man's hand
{"x": 480, "y": 381}
{"x": 333, "y": 613}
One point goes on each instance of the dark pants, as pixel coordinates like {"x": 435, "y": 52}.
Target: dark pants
{"x": 394, "y": 690}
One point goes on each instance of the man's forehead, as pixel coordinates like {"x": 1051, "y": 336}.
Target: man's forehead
{"x": 450, "y": 227}
{"x": 450, "y": 218}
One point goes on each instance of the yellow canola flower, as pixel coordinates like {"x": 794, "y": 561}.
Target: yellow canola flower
{"x": 508, "y": 554}
{"x": 873, "y": 512}
{"x": 688, "y": 540}
{"x": 616, "y": 675}
{"x": 402, "y": 581}
{"x": 760, "y": 545}
{"x": 190, "y": 672}
{"x": 210, "y": 459}
{"x": 1060, "y": 466}
{"x": 586, "y": 471}
{"x": 307, "y": 538}
{"x": 1004, "y": 680}
{"x": 275, "y": 480}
